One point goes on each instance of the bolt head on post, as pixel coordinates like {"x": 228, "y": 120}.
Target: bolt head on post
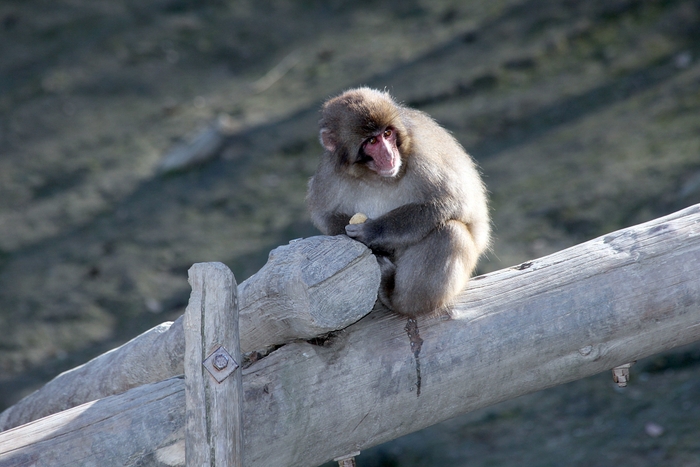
{"x": 220, "y": 364}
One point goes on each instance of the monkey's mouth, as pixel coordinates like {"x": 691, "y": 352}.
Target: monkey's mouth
{"x": 386, "y": 168}
{"x": 390, "y": 173}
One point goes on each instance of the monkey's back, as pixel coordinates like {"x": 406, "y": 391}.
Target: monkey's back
{"x": 450, "y": 173}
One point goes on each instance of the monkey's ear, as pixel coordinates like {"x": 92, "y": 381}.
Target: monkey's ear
{"x": 327, "y": 139}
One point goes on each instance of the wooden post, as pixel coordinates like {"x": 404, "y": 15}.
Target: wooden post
{"x": 213, "y": 387}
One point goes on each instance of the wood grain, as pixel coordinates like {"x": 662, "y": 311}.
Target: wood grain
{"x": 214, "y": 429}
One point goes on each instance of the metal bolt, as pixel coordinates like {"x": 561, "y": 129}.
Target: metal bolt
{"x": 347, "y": 460}
{"x": 220, "y": 364}
{"x": 220, "y": 361}
{"x": 621, "y": 374}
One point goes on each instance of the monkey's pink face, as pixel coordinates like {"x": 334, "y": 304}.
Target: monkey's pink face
{"x": 385, "y": 158}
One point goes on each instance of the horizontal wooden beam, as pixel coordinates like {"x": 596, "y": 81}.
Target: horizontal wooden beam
{"x": 145, "y": 424}
{"x": 307, "y": 288}
{"x": 587, "y": 309}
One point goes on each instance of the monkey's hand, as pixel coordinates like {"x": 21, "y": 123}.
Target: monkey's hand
{"x": 368, "y": 233}
{"x": 355, "y": 228}
{"x": 357, "y": 231}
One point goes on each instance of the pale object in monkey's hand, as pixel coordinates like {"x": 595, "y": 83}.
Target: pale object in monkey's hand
{"x": 358, "y": 218}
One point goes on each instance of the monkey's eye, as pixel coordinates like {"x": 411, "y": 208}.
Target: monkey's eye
{"x": 372, "y": 140}
{"x": 387, "y": 133}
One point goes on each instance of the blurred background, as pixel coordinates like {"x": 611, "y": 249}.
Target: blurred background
{"x": 584, "y": 117}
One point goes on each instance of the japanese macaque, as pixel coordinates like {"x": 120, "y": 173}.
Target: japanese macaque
{"x": 427, "y": 216}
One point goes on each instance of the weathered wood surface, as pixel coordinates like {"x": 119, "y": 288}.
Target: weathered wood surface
{"x": 572, "y": 314}
{"x": 307, "y": 288}
{"x": 214, "y": 401}
{"x": 115, "y": 431}
{"x": 153, "y": 356}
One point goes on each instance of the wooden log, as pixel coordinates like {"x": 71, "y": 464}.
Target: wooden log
{"x": 101, "y": 433}
{"x": 213, "y": 387}
{"x": 587, "y": 309}
{"x": 153, "y": 356}
{"x": 307, "y": 288}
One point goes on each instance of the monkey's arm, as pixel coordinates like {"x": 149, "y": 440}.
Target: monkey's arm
{"x": 333, "y": 223}
{"x": 405, "y": 225}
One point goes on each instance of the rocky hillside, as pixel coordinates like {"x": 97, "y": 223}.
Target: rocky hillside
{"x": 583, "y": 115}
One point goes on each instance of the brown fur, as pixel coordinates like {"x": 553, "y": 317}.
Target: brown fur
{"x": 428, "y": 224}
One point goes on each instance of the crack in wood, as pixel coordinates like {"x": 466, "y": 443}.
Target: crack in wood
{"x": 416, "y": 345}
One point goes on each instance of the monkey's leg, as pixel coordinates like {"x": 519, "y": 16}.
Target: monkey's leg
{"x": 431, "y": 273}
{"x": 386, "y": 288}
